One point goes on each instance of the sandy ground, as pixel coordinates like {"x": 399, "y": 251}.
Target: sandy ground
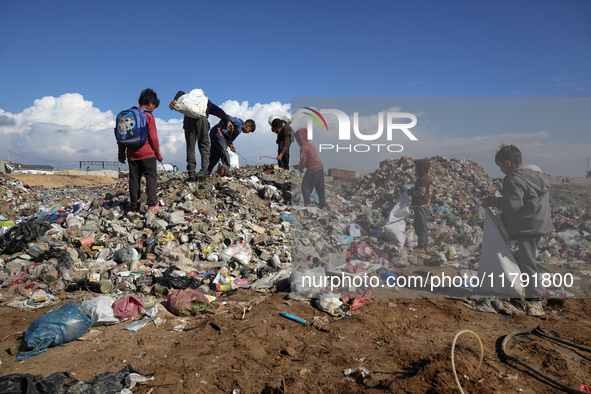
{"x": 63, "y": 180}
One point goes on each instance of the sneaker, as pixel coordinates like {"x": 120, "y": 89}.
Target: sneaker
{"x": 154, "y": 208}
{"x": 202, "y": 174}
{"x": 191, "y": 178}
{"x": 535, "y": 309}
{"x": 419, "y": 250}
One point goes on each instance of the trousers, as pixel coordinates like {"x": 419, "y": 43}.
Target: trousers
{"x": 196, "y": 132}
{"x": 137, "y": 169}
{"x": 421, "y": 214}
{"x": 284, "y": 162}
{"x": 311, "y": 181}
{"x": 525, "y": 257}
{"x": 217, "y": 150}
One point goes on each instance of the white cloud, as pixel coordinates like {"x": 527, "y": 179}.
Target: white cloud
{"x": 64, "y": 130}
{"x": 68, "y": 129}
{"x": 566, "y": 82}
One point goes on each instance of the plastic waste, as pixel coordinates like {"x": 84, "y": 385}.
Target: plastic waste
{"x": 186, "y": 302}
{"x": 128, "y": 307}
{"x": 68, "y": 322}
{"x": 396, "y": 225}
{"x": 126, "y": 255}
{"x": 240, "y": 252}
{"x": 102, "y": 310}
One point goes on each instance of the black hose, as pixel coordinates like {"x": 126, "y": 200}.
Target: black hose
{"x": 538, "y": 331}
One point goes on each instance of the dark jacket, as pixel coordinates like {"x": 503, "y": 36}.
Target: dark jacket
{"x": 421, "y": 192}
{"x": 284, "y": 139}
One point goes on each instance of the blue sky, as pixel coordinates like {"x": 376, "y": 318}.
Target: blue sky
{"x": 68, "y": 66}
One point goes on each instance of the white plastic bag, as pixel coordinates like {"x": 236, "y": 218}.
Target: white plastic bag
{"x": 102, "y": 310}
{"x": 267, "y": 282}
{"x": 328, "y": 302}
{"x": 396, "y": 225}
{"x": 232, "y": 158}
{"x": 497, "y": 265}
{"x": 240, "y": 252}
{"x": 283, "y": 116}
{"x": 192, "y": 104}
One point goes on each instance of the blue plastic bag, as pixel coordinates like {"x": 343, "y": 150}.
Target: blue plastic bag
{"x": 68, "y": 322}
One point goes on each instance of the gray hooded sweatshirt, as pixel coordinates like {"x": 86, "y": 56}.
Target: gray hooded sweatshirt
{"x": 525, "y": 204}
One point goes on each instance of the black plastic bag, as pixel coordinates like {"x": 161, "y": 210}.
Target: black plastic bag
{"x": 178, "y": 282}
{"x": 17, "y": 237}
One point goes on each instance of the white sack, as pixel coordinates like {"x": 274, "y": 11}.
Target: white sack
{"x": 396, "y": 225}
{"x": 497, "y": 260}
{"x": 192, "y": 104}
{"x": 232, "y": 158}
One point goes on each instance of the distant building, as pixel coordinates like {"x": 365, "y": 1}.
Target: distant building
{"x": 16, "y": 168}
{"x": 345, "y": 176}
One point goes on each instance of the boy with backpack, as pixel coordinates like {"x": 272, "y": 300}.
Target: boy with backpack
{"x": 142, "y": 155}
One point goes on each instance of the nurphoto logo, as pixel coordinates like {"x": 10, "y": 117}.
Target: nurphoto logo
{"x": 393, "y": 129}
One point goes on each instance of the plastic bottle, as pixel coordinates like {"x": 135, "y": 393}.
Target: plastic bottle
{"x": 275, "y": 261}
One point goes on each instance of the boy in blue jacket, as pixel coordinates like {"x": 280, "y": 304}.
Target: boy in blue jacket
{"x": 221, "y": 138}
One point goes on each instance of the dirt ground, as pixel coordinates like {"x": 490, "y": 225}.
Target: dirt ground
{"x": 405, "y": 343}
{"x": 64, "y": 180}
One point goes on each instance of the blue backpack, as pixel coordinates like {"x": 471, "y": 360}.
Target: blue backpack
{"x": 131, "y": 130}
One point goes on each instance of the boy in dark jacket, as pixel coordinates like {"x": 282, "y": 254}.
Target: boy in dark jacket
{"x": 314, "y": 177}
{"x": 525, "y": 213}
{"x": 197, "y": 133}
{"x": 420, "y": 203}
{"x": 284, "y": 137}
{"x": 142, "y": 160}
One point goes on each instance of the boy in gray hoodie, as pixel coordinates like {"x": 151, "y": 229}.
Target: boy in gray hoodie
{"x": 525, "y": 213}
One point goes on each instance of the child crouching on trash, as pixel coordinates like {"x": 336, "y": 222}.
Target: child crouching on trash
{"x": 314, "y": 177}
{"x": 525, "y": 213}
{"x": 420, "y": 194}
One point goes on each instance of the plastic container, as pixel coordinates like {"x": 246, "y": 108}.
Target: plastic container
{"x": 86, "y": 241}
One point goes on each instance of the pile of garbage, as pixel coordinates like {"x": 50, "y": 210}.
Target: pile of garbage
{"x": 354, "y": 223}
{"x": 213, "y": 237}
{"x": 243, "y": 229}
{"x": 350, "y": 234}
